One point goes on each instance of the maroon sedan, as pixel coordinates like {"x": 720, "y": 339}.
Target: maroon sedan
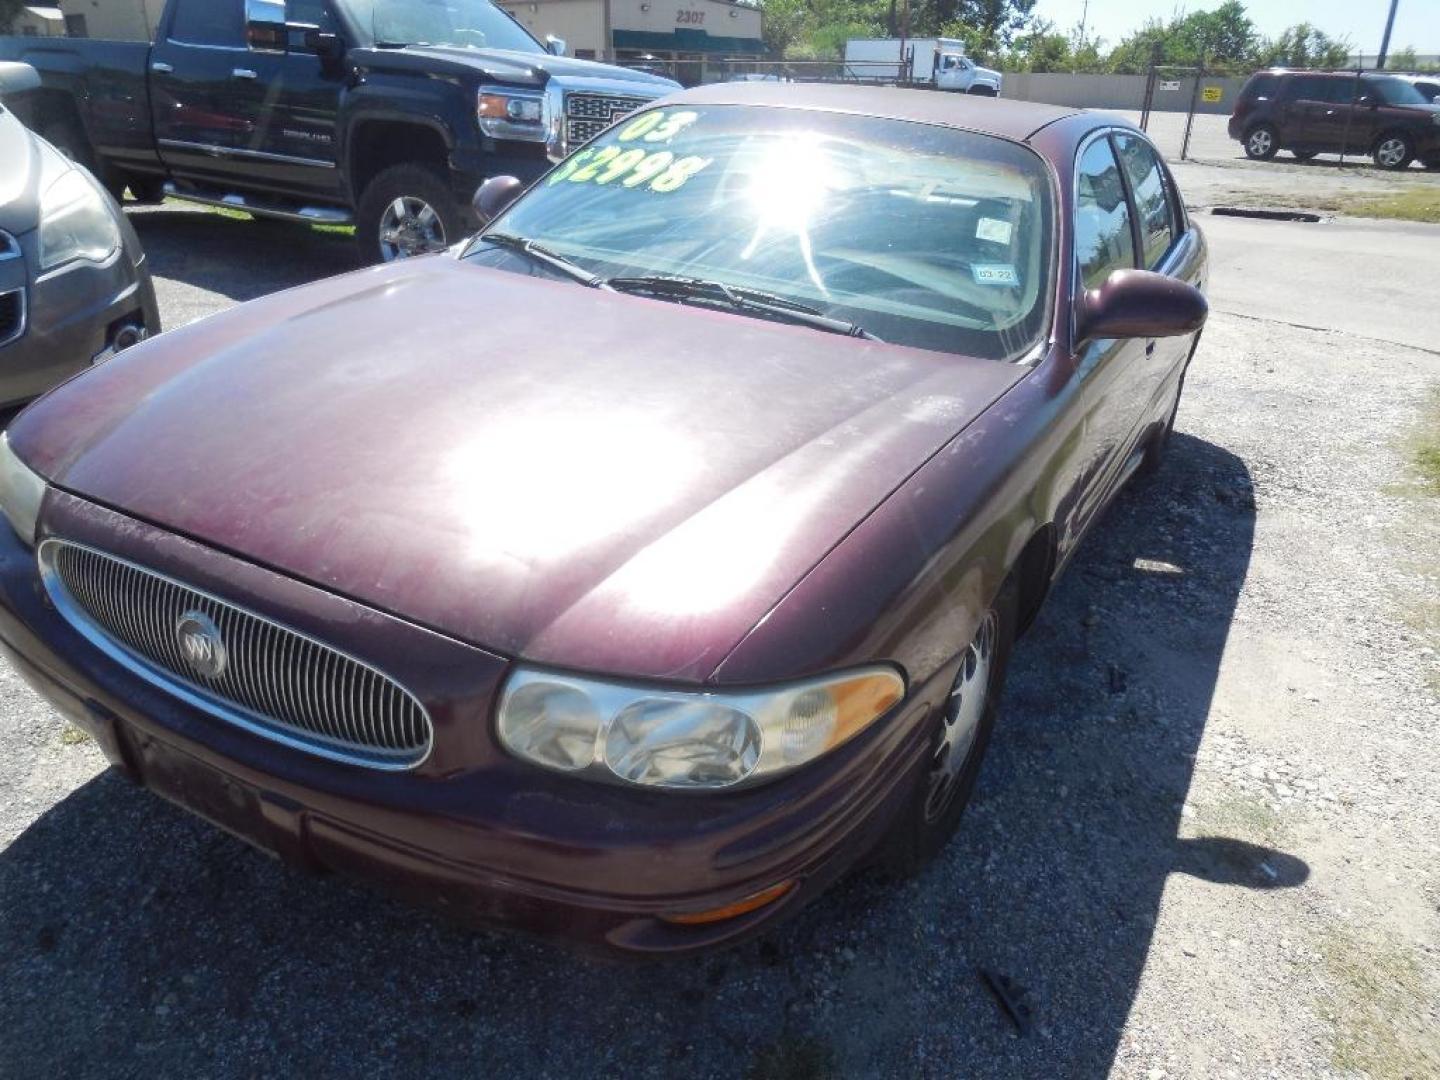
{"x": 636, "y": 571}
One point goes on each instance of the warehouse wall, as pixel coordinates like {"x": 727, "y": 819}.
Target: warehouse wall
{"x": 1119, "y": 91}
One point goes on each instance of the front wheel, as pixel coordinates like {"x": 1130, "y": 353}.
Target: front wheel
{"x": 407, "y": 210}
{"x": 961, "y": 729}
{"x": 1261, "y": 142}
{"x": 1393, "y": 151}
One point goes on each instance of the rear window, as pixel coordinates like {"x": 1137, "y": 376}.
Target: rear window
{"x": 1261, "y": 86}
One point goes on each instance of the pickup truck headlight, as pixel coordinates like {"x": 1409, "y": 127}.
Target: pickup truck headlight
{"x": 76, "y": 222}
{"x": 513, "y": 114}
{"x": 686, "y": 739}
{"x": 21, "y": 490}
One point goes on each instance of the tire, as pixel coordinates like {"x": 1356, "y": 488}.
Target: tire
{"x": 1261, "y": 142}
{"x": 1393, "y": 150}
{"x": 983, "y": 91}
{"x": 1303, "y": 155}
{"x": 385, "y": 234}
{"x": 1160, "y": 440}
{"x": 150, "y": 191}
{"x": 928, "y": 819}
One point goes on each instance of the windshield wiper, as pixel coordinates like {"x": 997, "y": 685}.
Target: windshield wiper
{"x": 739, "y": 298}
{"x": 542, "y": 254}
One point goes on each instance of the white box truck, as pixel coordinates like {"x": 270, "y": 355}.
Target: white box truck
{"x": 938, "y": 62}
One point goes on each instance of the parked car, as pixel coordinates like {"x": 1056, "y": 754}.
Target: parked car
{"x": 1316, "y": 112}
{"x": 634, "y": 572}
{"x": 387, "y": 113}
{"x": 1428, "y": 85}
{"x": 74, "y": 287}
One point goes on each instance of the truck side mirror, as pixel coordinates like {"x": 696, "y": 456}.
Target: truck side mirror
{"x": 555, "y": 46}
{"x": 265, "y": 25}
{"x": 494, "y": 195}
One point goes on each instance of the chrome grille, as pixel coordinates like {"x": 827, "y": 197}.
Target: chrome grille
{"x": 587, "y": 114}
{"x": 12, "y": 315}
{"x": 268, "y": 679}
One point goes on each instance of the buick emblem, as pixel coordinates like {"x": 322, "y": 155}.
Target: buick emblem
{"x": 201, "y": 644}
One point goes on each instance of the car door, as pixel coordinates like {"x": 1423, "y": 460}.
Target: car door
{"x": 1339, "y": 124}
{"x": 1111, "y": 393}
{"x": 1302, "y": 110}
{"x": 291, "y": 146}
{"x": 205, "y": 94}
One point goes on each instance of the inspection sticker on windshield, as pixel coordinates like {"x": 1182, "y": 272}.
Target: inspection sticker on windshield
{"x": 994, "y": 230}
{"x": 994, "y": 274}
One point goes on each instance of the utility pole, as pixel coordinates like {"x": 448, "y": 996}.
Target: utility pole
{"x": 1385, "y": 41}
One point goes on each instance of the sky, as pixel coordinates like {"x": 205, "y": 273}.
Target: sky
{"x": 1417, "y": 22}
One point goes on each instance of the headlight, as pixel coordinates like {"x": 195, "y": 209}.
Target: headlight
{"x": 512, "y": 114}
{"x": 76, "y": 222}
{"x": 680, "y": 739}
{"x": 20, "y": 493}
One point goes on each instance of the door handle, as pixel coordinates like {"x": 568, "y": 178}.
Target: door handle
{"x": 162, "y": 68}
{"x": 244, "y": 73}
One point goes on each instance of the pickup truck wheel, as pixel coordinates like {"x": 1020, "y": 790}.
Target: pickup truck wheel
{"x": 960, "y": 734}
{"x": 407, "y": 210}
{"x": 983, "y": 91}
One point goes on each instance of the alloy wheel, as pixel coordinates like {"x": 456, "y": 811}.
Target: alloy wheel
{"x": 1391, "y": 152}
{"x": 1260, "y": 142}
{"x": 964, "y": 711}
{"x": 410, "y": 227}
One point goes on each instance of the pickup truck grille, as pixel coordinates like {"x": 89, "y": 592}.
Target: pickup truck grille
{"x": 12, "y": 315}
{"x": 238, "y": 666}
{"x": 588, "y": 113}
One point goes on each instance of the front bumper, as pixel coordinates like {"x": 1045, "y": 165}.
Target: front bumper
{"x": 72, "y": 317}
{"x": 471, "y": 830}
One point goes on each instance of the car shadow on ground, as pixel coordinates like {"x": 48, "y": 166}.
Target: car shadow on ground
{"x": 137, "y": 940}
{"x": 235, "y": 255}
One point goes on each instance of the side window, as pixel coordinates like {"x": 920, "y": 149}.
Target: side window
{"x": 209, "y": 22}
{"x": 1152, "y": 197}
{"x": 1344, "y": 91}
{"x": 1103, "y": 241}
{"x": 1306, "y": 88}
{"x": 1262, "y": 86}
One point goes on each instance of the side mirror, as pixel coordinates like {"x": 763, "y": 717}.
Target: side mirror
{"x": 555, "y": 46}
{"x": 494, "y": 195}
{"x": 265, "y": 25}
{"x": 1140, "y": 304}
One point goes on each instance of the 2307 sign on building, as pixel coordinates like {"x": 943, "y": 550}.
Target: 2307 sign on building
{"x": 690, "y": 18}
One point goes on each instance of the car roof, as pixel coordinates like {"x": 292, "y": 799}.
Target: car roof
{"x": 992, "y": 116}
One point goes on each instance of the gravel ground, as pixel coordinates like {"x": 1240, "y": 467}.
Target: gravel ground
{"x": 1204, "y": 844}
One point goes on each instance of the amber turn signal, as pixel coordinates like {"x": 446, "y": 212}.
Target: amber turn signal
{"x": 730, "y": 911}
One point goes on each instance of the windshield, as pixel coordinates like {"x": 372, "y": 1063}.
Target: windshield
{"x": 920, "y": 235}
{"x": 473, "y": 24}
{"x": 1398, "y": 92}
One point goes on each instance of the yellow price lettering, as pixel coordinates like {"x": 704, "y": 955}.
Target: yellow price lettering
{"x": 588, "y": 171}
{"x": 640, "y": 125}
{"x": 677, "y": 174}
{"x": 570, "y": 165}
{"x": 648, "y": 169}
{"x": 622, "y": 164}
{"x": 673, "y": 125}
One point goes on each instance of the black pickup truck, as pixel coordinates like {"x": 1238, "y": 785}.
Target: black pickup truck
{"x": 384, "y": 113}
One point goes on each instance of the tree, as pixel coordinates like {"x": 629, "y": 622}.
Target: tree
{"x": 783, "y": 24}
{"x": 1304, "y": 46}
{"x": 1404, "y": 60}
{"x": 1221, "y": 40}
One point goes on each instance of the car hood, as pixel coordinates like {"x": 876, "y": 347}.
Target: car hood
{"x": 581, "y": 478}
{"x": 507, "y": 66}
